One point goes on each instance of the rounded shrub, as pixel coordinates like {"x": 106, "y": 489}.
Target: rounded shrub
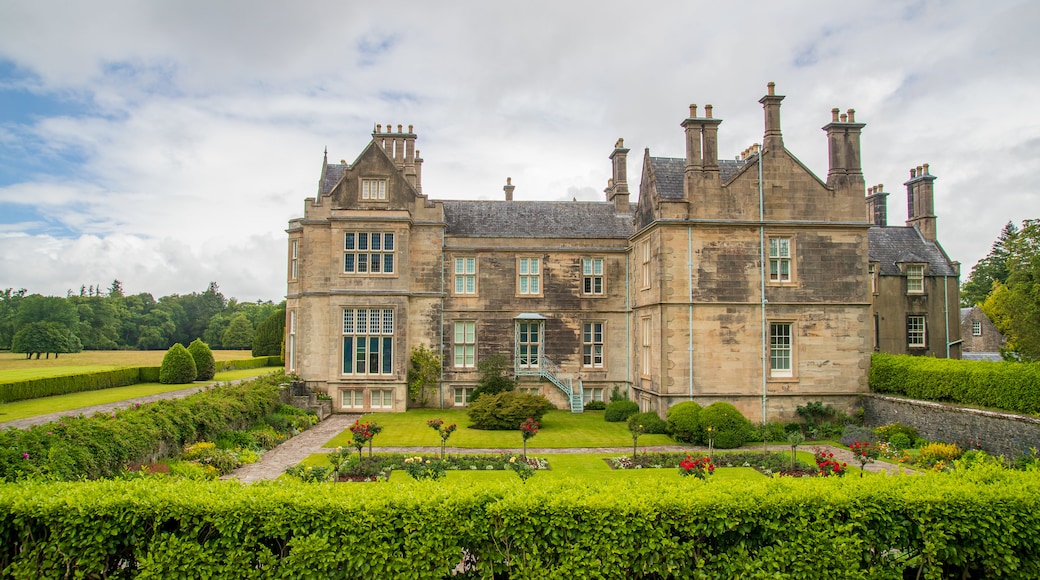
{"x": 595, "y": 406}
{"x": 178, "y": 366}
{"x": 651, "y": 422}
{"x": 900, "y": 441}
{"x": 205, "y": 366}
{"x": 730, "y": 427}
{"x": 506, "y": 410}
{"x": 887, "y": 432}
{"x": 618, "y": 411}
{"x": 684, "y": 422}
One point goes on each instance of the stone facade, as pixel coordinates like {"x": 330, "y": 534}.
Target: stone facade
{"x": 980, "y": 335}
{"x": 738, "y": 280}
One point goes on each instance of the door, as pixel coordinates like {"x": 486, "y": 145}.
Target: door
{"x": 528, "y": 344}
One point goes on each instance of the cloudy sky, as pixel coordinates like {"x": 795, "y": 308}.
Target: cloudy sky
{"x": 167, "y": 144}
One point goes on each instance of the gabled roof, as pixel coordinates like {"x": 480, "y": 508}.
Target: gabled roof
{"x": 670, "y": 171}
{"x": 536, "y": 219}
{"x": 333, "y": 173}
{"x": 894, "y": 245}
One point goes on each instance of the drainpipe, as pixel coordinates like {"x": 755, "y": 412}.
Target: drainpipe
{"x": 762, "y": 279}
{"x": 628, "y": 329}
{"x": 689, "y": 266}
{"x": 946, "y": 313}
{"x": 440, "y": 384}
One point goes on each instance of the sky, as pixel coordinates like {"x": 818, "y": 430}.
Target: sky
{"x": 168, "y": 144}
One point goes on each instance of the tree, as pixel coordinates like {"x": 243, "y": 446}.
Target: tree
{"x": 44, "y": 338}
{"x": 493, "y": 377}
{"x": 1014, "y": 306}
{"x": 9, "y": 302}
{"x": 178, "y": 366}
{"x": 423, "y": 374}
{"x": 268, "y": 338}
{"x": 992, "y": 268}
{"x": 205, "y": 366}
{"x": 239, "y": 333}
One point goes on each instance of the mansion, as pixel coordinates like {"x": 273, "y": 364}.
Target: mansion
{"x": 747, "y": 280}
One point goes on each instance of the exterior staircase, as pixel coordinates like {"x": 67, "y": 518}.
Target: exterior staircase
{"x": 554, "y": 374}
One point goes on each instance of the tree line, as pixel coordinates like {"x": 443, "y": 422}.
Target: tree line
{"x": 98, "y": 319}
{"x": 1006, "y": 286}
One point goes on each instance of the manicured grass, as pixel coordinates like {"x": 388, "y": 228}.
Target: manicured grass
{"x": 15, "y": 367}
{"x": 559, "y": 429}
{"x": 35, "y": 407}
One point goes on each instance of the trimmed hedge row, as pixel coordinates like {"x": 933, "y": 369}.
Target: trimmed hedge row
{"x": 1010, "y": 386}
{"x": 63, "y": 385}
{"x": 966, "y": 525}
{"x": 105, "y": 444}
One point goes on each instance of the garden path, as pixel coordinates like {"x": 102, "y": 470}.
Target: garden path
{"x": 276, "y": 461}
{"x": 105, "y": 408}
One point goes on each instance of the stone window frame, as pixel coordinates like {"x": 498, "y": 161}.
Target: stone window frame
{"x": 789, "y": 345}
{"x": 976, "y": 328}
{"x": 528, "y": 277}
{"x": 357, "y": 339}
{"x": 462, "y": 395}
{"x": 354, "y": 255}
{"x": 378, "y": 399}
{"x": 590, "y": 277}
{"x": 915, "y": 274}
{"x": 356, "y": 397}
{"x": 646, "y": 326}
{"x": 290, "y": 346}
{"x": 381, "y": 190}
{"x": 589, "y": 344}
{"x": 873, "y": 270}
{"x": 646, "y": 256}
{"x": 294, "y": 258}
{"x": 469, "y": 352}
{"x": 465, "y": 278}
{"x": 593, "y": 394}
{"x": 781, "y": 260}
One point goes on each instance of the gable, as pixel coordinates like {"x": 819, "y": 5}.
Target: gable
{"x": 374, "y": 165}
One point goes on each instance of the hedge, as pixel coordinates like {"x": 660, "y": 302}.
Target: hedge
{"x": 964, "y": 525}
{"x": 1010, "y": 386}
{"x": 104, "y": 444}
{"x": 63, "y": 385}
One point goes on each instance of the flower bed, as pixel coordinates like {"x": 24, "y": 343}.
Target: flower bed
{"x": 379, "y": 467}
{"x": 768, "y": 464}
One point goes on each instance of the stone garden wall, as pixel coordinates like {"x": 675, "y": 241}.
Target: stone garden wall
{"x": 997, "y": 433}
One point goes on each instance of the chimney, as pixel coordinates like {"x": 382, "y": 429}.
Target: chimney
{"x": 877, "y": 206}
{"x": 508, "y": 188}
{"x": 843, "y": 149}
{"x": 711, "y": 142}
{"x": 920, "y": 202}
{"x": 418, "y": 172}
{"x": 774, "y": 139}
{"x": 617, "y": 189}
{"x": 693, "y": 128}
{"x": 702, "y": 146}
{"x": 410, "y": 173}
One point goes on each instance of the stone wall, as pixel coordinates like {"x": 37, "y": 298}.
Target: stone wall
{"x": 997, "y": 433}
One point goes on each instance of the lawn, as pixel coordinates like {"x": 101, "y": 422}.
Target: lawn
{"x": 15, "y": 367}
{"x": 35, "y": 407}
{"x": 559, "y": 429}
{"x": 580, "y": 467}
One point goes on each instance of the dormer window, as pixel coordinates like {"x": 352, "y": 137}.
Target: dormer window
{"x": 915, "y": 279}
{"x": 373, "y": 189}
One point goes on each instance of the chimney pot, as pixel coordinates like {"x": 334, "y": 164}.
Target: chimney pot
{"x": 926, "y": 169}
{"x": 379, "y": 128}
{"x": 707, "y": 111}
{"x": 881, "y": 187}
{"x": 913, "y": 173}
{"x": 343, "y": 161}
{"x": 834, "y": 115}
{"x": 920, "y": 171}
{"x": 410, "y": 127}
{"x": 771, "y": 87}
{"x": 693, "y": 111}
{"x": 844, "y": 118}
{"x": 620, "y": 143}
{"x": 852, "y": 115}
{"x": 509, "y": 181}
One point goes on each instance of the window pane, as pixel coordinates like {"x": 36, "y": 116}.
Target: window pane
{"x": 388, "y": 242}
{"x": 348, "y": 263}
{"x": 348, "y": 354}
{"x": 471, "y": 283}
{"x": 349, "y": 241}
{"x": 388, "y": 358}
{"x": 362, "y": 263}
{"x": 388, "y": 263}
{"x": 459, "y": 285}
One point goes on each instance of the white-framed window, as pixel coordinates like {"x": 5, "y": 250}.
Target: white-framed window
{"x": 872, "y": 270}
{"x": 373, "y": 189}
{"x": 530, "y": 390}
{"x": 592, "y": 345}
{"x": 463, "y": 396}
{"x": 290, "y": 347}
{"x": 916, "y": 331}
{"x": 780, "y": 349}
{"x": 646, "y": 263}
{"x": 368, "y": 253}
{"x": 382, "y": 398}
{"x": 294, "y": 256}
{"x": 529, "y": 344}
{"x": 592, "y": 276}
{"x": 779, "y": 259}
{"x": 914, "y": 279}
{"x": 592, "y": 394}
{"x": 976, "y": 328}
{"x": 646, "y": 346}
{"x": 353, "y": 399}
{"x": 465, "y": 275}
{"x": 529, "y": 276}
{"x": 368, "y": 341}
{"x": 465, "y": 344}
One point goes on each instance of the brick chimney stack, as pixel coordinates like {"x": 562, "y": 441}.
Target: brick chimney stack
{"x": 877, "y": 205}
{"x": 702, "y": 152}
{"x": 920, "y": 202}
{"x": 617, "y": 188}
{"x": 508, "y": 188}
{"x": 843, "y": 149}
{"x": 774, "y": 139}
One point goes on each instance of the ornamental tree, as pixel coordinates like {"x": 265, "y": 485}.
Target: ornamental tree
{"x": 528, "y": 429}
{"x": 205, "y": 366}
{"x": 178, "y": 366}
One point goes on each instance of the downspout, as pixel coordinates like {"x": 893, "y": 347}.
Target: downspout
{"x": 762, "y": 277}
{"x": 946, "y": 313}
{"x": 628, "y": 327}
{"x": 689, "y": 266}
{"x": 440, "y": 384}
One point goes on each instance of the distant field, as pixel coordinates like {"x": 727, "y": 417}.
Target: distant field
{"x": 14, "y": 367}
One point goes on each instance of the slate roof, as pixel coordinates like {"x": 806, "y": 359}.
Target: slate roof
{"x": 669, "y": 172}
{"x": 892, "y": 245}
{"x": 536, "y": 219}
{"x": 333, "y": 173}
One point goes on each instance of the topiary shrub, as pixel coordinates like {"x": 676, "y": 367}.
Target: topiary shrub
{"x": 730, "y": 427}
{"x": 506, "y": 410}
{"x": 651, "y": 422}
{"x": 618, "y": 411}
{"x": 178, "y": 366}
{"x": 205, "y": 366}
{"x": 684, "y": 422}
